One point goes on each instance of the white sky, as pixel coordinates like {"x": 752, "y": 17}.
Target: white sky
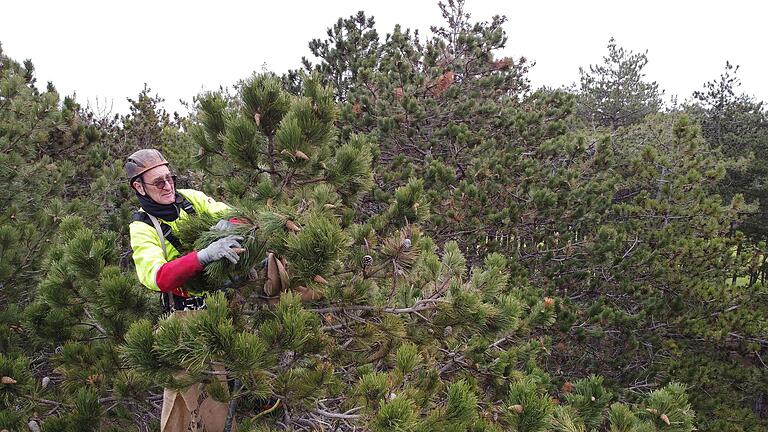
{"x": 107, "y": 50}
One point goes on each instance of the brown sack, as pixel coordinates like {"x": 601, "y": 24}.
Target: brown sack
{"x": 285, "y": 280}
{"x": 272, "y": 285}
{"x": 192, "y": 410}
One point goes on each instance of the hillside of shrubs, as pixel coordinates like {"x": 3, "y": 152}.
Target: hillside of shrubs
{"x": 457, "y": 250}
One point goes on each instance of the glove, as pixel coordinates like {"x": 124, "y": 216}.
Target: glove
{"x": 222, "y": 225}
{"x": 227, "y": 247}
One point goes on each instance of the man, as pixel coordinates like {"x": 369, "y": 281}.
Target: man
{"x": 161, "y": 267}
{"x": 159, "y": 264}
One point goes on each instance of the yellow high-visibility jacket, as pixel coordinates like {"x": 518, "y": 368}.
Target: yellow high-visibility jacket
{"x": 145, "y": 242}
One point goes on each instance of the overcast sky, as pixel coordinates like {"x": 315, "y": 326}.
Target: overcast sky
{"x": 106, "y": 50}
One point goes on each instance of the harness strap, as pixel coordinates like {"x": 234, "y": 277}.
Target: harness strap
{"x": 160, "y": 233}
{"x": 187, "y": 206}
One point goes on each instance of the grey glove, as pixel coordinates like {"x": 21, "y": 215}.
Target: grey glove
{"x": 227, "y": 247}
{"x": 222, "y": 225}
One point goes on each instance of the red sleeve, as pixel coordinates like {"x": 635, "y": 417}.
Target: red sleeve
{"x": 235, "y": 221}
{"x": 172, "y": 275}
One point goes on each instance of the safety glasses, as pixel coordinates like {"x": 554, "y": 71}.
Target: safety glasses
{"x": 161, "y": 182}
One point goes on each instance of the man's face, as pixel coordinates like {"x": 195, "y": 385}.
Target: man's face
{"x": 157, "y": 184}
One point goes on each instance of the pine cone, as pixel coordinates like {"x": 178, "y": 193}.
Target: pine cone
{"x": 291, "y": 225}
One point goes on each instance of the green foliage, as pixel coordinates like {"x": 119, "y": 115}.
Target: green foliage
{"x": 352, "y": 45}
{"x": 15, "y": 367}
{"x": 590, "y": 399}
{"x": 736, "y": 124}
{"x": 407, "y": 358}
{"x": 622, "y": 419}
{"x": 528, "y": 409}
{"x": 461, "y": 406}
{"x": 349, "y": 171}
{"x": 614, "y": 93}
{"x": 293, "y": 327}
{"x": 410, "y": 205}
{"x": 244, "y": 141}
{"x": 37, "y": 140}
{"x": 624, "y": 222}
{"x": 372, "y": 387}
{"x": 87, "y": 411}
{"x": 84, "y": 305}
{"x": 395, "y": 414}
{"x": 138, "y": 348}
{"x": 668, "y": 408}
{"x": 424, "y": 237}
{"x": 566, "y": 419}
{"x": 316, "y": 249}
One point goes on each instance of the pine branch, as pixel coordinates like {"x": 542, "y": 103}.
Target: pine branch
{"x": 460, "y": 358}
{"x": 413, "y": 309}
{"x": 48, "y": 402}
{"x": 346, "y": 415}
{"x": 215, "y": 373}
{"x": 311, "y": 181}
{"x": 95, "y": 324}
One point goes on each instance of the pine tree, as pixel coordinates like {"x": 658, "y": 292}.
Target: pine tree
{"x": 82, "y": 309}
{"x": 736, "y": 123}
{"x": 352, "y": 47}
{"x": 34, "y": 133}
{"x": 621, "y": 219}
{"x": 615, "y": 94}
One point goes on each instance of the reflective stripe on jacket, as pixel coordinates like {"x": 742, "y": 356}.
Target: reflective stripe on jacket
{"x": 147, "y": 251}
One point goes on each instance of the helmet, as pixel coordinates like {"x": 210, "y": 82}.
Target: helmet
{"x": 142, "y": 161}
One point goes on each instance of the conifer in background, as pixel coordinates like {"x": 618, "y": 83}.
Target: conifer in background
{"x": 36, "y": 135}
{"x": 618, "y": 218}
{"x": 615, "y": 93}
{"x": 736, "y": 123}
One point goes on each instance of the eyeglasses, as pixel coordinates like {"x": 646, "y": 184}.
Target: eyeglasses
{"x": 161, "y": 182}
